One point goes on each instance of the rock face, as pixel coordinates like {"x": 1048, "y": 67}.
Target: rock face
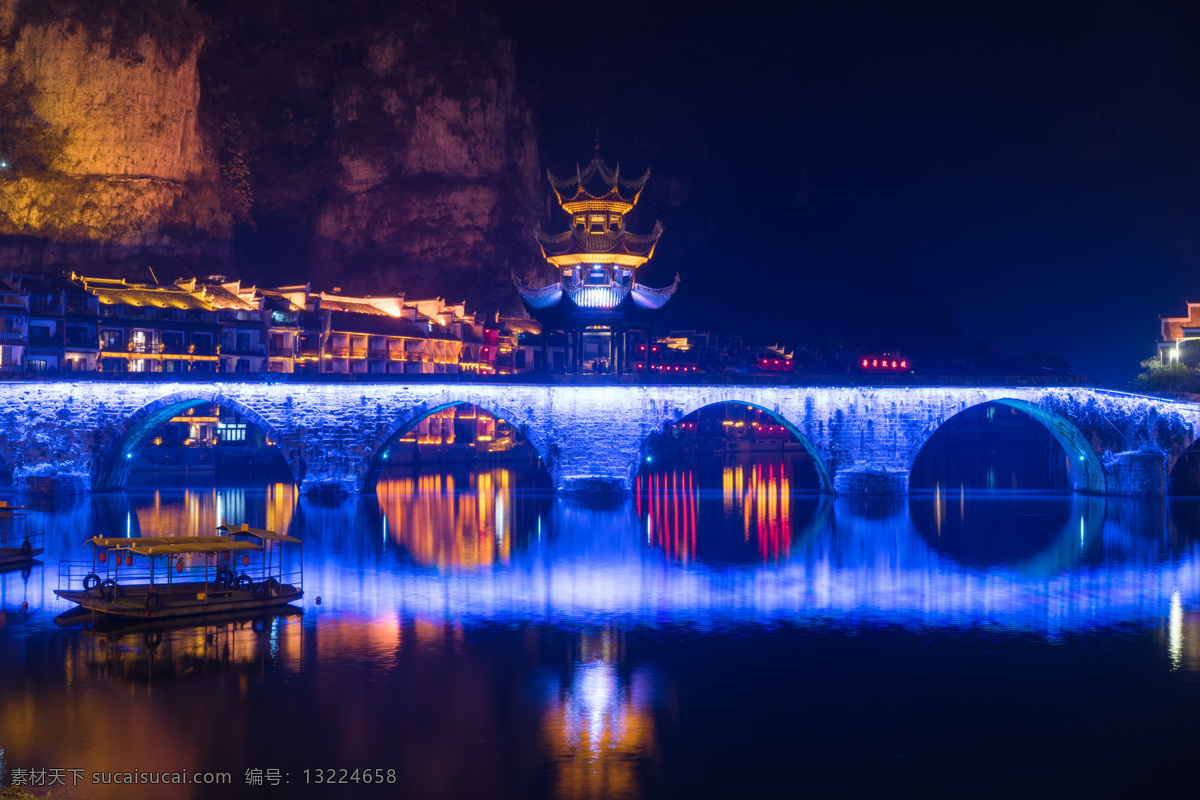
{"x": 438, "y": 188}
{"x": 134, "y": 171}
{"x": 424, "y": 149}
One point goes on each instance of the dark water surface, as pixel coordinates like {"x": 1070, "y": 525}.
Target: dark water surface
{"x": 480, "y": 638}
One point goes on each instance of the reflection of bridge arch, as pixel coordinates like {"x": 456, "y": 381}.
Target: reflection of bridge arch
{"x": 1073, "y": 523}
{"x": 408, "y": 420}
{"x": 111, "y": 467}
{"x": 1086, "y": 471}
{"x": 819, "y": 463}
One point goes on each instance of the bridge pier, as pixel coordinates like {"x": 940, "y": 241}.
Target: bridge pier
{"x": 860, "y": 481}
{"x": 1136, "y": 474}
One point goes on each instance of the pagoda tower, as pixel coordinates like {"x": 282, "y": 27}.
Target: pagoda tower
{"x": 597, "y": 302}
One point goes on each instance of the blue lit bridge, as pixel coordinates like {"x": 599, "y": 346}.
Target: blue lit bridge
{"x": 335, "y": 436}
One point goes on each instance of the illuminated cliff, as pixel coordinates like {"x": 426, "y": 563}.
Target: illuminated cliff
{"x": 132, "y": 169}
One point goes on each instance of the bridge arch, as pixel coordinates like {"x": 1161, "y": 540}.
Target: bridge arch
{"x": 651, "y": 439}
{"x": 410, "y": 418}
{"x": 111, "y": 467}
{"x": 1086, "y": 472}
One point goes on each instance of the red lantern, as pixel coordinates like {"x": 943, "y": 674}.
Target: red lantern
{"x": 179, "y": 566}
{"x": 245, "y": 561}
{"x": 103, "y": 556}
{"x": 129, "y": 560}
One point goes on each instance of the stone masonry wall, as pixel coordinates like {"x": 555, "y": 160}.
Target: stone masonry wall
{"x": 590, "y": 436}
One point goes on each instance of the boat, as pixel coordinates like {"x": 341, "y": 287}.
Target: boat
{"x": 167, "y": 577}
{"x": 18, "y": 548}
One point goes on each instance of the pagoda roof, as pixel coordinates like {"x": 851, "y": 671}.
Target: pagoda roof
{"x": 597, "y": 186}
{"x": 610, "y": 247}
{"x": 632, "y": 301}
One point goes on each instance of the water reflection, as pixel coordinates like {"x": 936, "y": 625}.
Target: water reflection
{"x": 469, "y": 615}
{"x": 752, "y": 517}
{"x": 479, "y": 547}
{"x": 599, "y": 722}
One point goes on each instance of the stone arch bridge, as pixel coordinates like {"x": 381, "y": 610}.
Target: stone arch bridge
{"x": 334, "y": 436}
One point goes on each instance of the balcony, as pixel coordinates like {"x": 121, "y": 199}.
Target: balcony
{"x": 282, "y": 351}
{"x": 248, "y": 350}
{"x": 11, "y": 336}
{"x": 43, "y": 307}
{"x": 377, "y": 352}
{"x": 348, "y": 352}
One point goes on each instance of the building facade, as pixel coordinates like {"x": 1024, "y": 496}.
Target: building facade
{"x": 52, "y": 323}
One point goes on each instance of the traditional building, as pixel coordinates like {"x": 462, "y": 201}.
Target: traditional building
{"x": 1180, "y": 338}
{"x": 597, "y": 302}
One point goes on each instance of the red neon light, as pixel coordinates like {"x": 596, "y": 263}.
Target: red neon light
{"x": 904, "y": 365}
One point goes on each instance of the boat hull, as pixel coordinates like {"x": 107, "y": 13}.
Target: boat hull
{"x": 179, "y": 600}
{"x": 10, "y": 556}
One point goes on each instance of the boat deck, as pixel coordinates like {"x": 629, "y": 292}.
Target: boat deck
{"x": 181, "y": 599}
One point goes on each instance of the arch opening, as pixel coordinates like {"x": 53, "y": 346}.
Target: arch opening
{"x": 1184, "y": 479}
{"x": 729, "y": 483}
{"x": 1005, "y": 445}
{"x": 715, "y": 438}
{"x": 188, "y": 440}
{"x": 456, "y": 439}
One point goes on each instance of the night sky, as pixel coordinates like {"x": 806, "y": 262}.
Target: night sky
{"x": 933, "y": 177}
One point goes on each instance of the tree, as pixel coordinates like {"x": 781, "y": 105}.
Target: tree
{"x": 1171, "y": 376}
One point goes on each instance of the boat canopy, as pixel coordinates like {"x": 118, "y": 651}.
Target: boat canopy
{"x": 246, "y": 530}
{"x": 124, "y": 542}
{"x": 225, "y": 546}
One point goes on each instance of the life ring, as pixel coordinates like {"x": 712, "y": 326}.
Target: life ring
{"x": 26, "y": 548}
{"x": 260, "y": 591}
{"x": 154, "y": 602}
{"x": 152, "y": 639}
{"x": 244, "y": 582}
{"x": 224, "y": 576}
{"x": 108, "y": 590}
{"x": 90, "y": 581}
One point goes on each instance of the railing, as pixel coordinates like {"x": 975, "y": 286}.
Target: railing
{"x": 197, "y": 569}
{"x": 348, "y": 352}
{"x": 282, "y": 352}
{"x": 377, "y": 352}
{"x": 11, "y": 336}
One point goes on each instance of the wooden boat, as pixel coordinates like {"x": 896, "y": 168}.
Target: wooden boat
{"x": 240, "y": 569}
{"x": 17, "y": 546}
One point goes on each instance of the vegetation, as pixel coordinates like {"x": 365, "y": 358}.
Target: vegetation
{"x": 1170, "y": 377}
{"x": 28, "y": 145}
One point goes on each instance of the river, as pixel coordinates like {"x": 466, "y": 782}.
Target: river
{"x": 719, "y": 634}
